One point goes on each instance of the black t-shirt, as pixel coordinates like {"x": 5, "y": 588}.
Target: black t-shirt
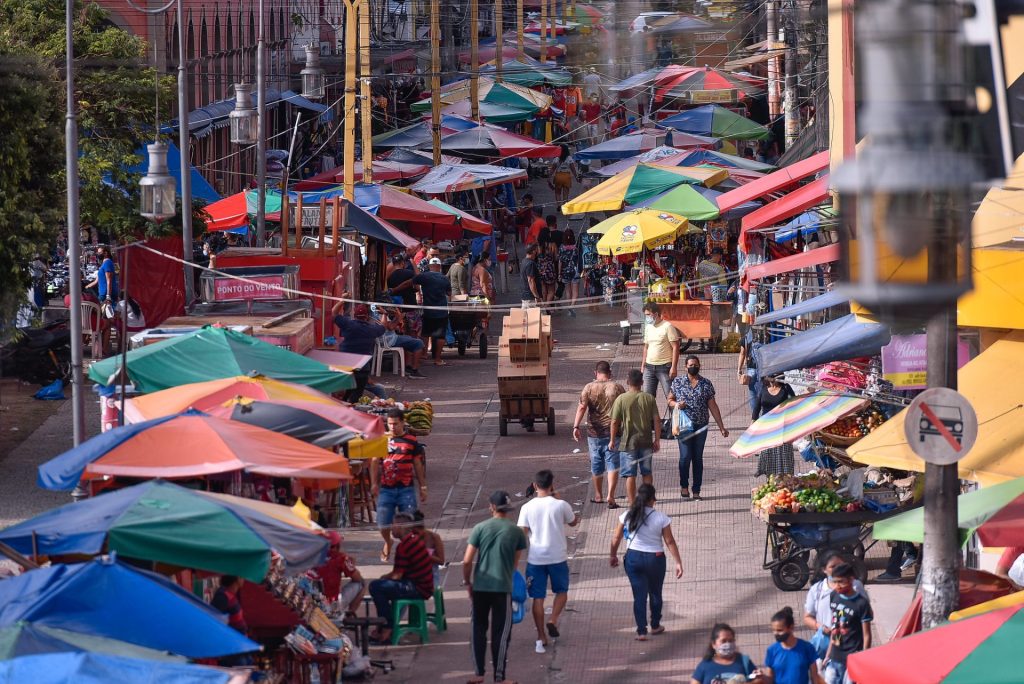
{"x": 557, "y": 236}
{"x": 766, "y": 401}
{"x": 436, "y": 288}
{"x": 398, "y": 277}
{"x": 529, "y": 270}
{"x": 849, "y": 613}
{"x": 544, "y": 236}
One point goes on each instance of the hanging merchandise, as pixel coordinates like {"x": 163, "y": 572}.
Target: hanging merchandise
{"x": 717, "y": 236}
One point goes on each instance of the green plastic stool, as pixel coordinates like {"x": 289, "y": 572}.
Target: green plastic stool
{"x": 416, "y": 624}
{"x": 438, "y": 616}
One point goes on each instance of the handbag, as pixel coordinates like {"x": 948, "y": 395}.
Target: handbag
{"x": 681, "y": 423}
{"x": 666, "y": 426}
{"x": 107, "y": 309}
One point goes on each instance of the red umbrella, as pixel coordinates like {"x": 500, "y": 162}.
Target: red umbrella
{"x": 383, "y": 170}
{"x": 493, "y": 141}
{"x": 709, "y": 82}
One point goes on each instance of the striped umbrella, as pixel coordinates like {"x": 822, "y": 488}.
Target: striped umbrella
{"x": 710, "y": 84}
{"x": 796, "y": 418}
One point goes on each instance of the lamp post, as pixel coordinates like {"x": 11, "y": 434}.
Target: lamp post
{"x": 243, "y": 117}
{"x": 312, "y": 75}
{"x": 261, "y": 137}
{"x": 157, "y": 187}
{"x": 74, "y": 232}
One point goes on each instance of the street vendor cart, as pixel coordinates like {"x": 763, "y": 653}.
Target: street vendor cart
{"x": 699, "y": 319}
{"x": 467, "y": 317}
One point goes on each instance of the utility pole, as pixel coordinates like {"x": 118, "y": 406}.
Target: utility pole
{"x": 520, "y": 47}
{"x": 435, "y": 78}
{"x": 261, "y": 132}
{"x": 474, "y": 59}
{"x": 366, "y": 103}
{"x": 543, "y": 30}
{"x": 184, "y": 145}
{"x": 74, "y": 231}
{"x": 499, "y": 38}
{"x": 349, "y": 114}
{"x": 771, "y": 21}
{"x": 792, "y": 111}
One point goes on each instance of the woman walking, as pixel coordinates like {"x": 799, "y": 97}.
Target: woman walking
{"x": 561, "y": 179}
{"x": 547, "y": 268}
{"x": 723, "y": 662}
{"x": 777, "y": 460}
{"x": 648, "y": 533}
{"x": 695, "y": 396}
{"x": 569, "y": 270}
{"x": 790, "y": 660}
{"x": 481, "y": 284}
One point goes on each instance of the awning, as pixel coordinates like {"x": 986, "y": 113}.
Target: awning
{"x": 205, "y": 120}
{"x": 815, "y": 257}
{"x": 838, "y": 340}
{"x": 773, "y": 182}
{"x": 772, "y": 213}
{"x": 201, "y": 188}
{"x": 998, "y": 453}
{"x": 229, "y": 213}
{"x": 823, "y": 301}
{"x": 400, "y": 56}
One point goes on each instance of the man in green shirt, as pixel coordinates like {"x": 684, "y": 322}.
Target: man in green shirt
{"x": 635, "y": 431}
{"x": 496, "y": 546}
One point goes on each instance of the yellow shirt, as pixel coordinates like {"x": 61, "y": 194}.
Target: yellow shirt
{"x": 659, "y": 339}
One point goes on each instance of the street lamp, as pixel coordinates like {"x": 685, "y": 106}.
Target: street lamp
{"x": 313, "y": 75}
{"x": 157, "y": 186}
{"x": 243, "y": 116}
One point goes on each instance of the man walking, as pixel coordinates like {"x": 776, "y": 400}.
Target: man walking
{"x": 435, "y": 288}
{"x": 391, "y": 478}
{"x": 635, "y": 432}
{"x": 543, "y": 519}
{"x": 530, "y": 280}
{"x": 661, "y": 351}
{"x": 496, "y": 546}
{"x": 596, "y": 401}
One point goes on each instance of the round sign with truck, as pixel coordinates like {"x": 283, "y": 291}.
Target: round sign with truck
{"x": 941, "y": 426}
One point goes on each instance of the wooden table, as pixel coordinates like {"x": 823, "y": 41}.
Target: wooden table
{"x": 698, "y": 319}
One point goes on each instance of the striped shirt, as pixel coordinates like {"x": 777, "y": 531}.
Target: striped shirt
{"x": 397, "y": 468}
{"x": 413, "y": 560}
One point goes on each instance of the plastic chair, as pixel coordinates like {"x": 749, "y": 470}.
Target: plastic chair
{"x": 438, "y": 616}
{"x": 416, "y": 624}
{"x": 397, "y": 362}
{"x": 92, "y": 317}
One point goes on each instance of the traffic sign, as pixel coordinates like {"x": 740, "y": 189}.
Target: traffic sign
{"x": 941, "y": 426}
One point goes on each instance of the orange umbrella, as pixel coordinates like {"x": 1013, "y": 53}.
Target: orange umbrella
{"x": 207, "y": 395}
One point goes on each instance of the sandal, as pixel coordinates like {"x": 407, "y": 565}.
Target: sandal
{"x": 385, "y": 554}
{"x": 612, "y": 504}
{"x": 597, "y": 501}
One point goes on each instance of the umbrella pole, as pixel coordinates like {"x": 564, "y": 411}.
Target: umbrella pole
{"x": 35, "y": 547}
{"x": 6, "y": 550}
{"x": 124, "y": 336}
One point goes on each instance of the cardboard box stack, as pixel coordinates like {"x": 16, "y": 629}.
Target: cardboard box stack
{"x": 524, "y": 352}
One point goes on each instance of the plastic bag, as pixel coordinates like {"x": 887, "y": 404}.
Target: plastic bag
{"x": 681, "y": 423}
{"x": 52, "y": 392}
{"x": 518, "y": 597}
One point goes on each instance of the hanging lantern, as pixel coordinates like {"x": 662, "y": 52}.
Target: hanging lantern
{"x": 243, "y": 116}
{"x": 157, "y": 187}
{"x": 312, "y": 75}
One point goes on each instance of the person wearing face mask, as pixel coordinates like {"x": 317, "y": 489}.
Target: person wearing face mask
{"x": 661, "y": 350}
{"x": 851, "y": 624}
{"x": 790, "y": 660}
{"x": 694, "y": 395}
{"x": 817, "y": 608}
{"x": 723, "y": 663}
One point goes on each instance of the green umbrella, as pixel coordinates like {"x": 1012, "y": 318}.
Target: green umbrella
{"x": 649, "y": 181}
{"x": 26, "y": 638}
{"x": 973, "y": 510}
{"x": 686, "y": 201}
{"x": 212, "y": 352}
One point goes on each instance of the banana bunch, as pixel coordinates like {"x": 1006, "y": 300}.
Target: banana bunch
{"x": 419, "y": 415}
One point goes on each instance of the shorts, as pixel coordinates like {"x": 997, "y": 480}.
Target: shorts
{"x": 631, "y": 459}
{"x": 562, "y": 180}
{"x": 349, "y": 592}
{"x": 435, "y": 328}
{"x": 537, "y": 579}
{"x": 408, "y": 343}
{"x": 602, "y": 459}
{"x": 393, "y": 500}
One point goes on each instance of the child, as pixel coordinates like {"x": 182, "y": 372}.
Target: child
{"x": 851, "y": 624}
{"x": 790, "y": 660}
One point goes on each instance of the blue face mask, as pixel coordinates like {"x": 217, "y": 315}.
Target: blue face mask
{"x": 649, "y": 320}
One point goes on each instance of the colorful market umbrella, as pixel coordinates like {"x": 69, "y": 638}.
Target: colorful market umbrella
{"x": 382, "y": 171}
{"x": 696, "y": 203}
{"x": 698, "y": 157}
{"x": 677, "y": 23}
{"x": 710, "y": 84}
{"x": 554, "y": 27}
{"x": 160, "y": 522}
{"x": 1014, "y": 599}
{"x": 977, "y": 650}
{"x": 632, "y": 231}
{"x": 229, "y": 213}
{"x": 100, "y": 668}
{"x": 529, "y": 72}
{"x": 447, "y": 178}
{"x": 490, "y": 111}
{"x": 470, "y": 224}
{"x": 641, "y": 182}
{"x": 490, "y": 92}
{"x": 107, "y": 598}
{"x": 662, "y": 155}
{"x": 321, "y": 425}
{"x": 795, "y": 418}
{"x": 587, "y": 15}
{"x": 410, "y": 156}
{"x": 419, "y": 132}
{"x": 645, "y": 140}
{"x": 189, "y": 445}
{"x": 211, "y": 353}
{"x": 488, "y": 141}
{"x": 995, "y": 512}
{"x": 717, "y": 121}
{"x": 393, "y": 204}
{"x": 25, "y": 638}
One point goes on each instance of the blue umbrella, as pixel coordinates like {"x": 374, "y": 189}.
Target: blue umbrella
{"x": 25, "y": 639}
{"x": 805, "y": 224}
{"x": 698, "y": 157}
{"x": 95, "y": 668}
{"x": 109, "y": 599}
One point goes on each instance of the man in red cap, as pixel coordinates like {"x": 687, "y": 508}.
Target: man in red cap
{"x": 358, "y": 336}
{"x": 340, "y": 565}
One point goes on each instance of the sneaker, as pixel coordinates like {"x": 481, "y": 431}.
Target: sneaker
{"x": 697, "y": 496}
{"x": 888, "y": 577}
{"x": 908, "y": 563}
{"x": 414, "y": 373}
{"x": 539, "y": 648}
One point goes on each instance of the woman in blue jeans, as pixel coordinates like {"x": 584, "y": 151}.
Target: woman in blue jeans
{"x": 695, "y": 396}
{"x": 648, "y": 533}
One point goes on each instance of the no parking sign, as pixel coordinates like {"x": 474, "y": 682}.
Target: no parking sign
{"x": 941, "y": 426}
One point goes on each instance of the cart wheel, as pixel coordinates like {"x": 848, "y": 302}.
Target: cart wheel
{"x": 502, "y": 426}
{"x": 859, "y": 551}
{"x": 460, "y": 341}
{"x": 791, "y": 574}
{"x": 860, "y": 570}
{"x": 551, "y": 421}
{"x": 625, "y": 336}
{"x": 483, "y": 346}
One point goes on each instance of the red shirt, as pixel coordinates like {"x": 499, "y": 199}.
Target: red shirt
{"x": 558, "y": 99}
{"x": 413, "y": 561}
{"x": 591, "y": 112}
{"x": 338, "y": 565}
{"x": 397, "y": 469}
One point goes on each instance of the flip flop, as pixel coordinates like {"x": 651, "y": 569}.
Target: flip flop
{"x": 597, "y": 501}
{"x": 612, "y": 504}
{"x": 640, "y": 637}
{"x": 384, "y": 555}
{"x": 553, "y": 631}
{"x": 660, "y": 629}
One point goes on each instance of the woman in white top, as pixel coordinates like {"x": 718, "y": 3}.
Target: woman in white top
{"x": 648, "y": 533}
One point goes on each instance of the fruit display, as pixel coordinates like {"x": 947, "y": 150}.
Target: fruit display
{"x": 813, "y": 493}
{"x": 419, "y": 415}
{"x": 855, "y": 426}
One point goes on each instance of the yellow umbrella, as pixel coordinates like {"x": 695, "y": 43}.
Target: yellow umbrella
{"x": 630, "y": 232}
{"x": 639, "y": 183}
{"x": 1014, "y": 599}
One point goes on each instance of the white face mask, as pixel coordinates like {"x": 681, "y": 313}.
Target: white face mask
{"x": 727, "y": 649}
{"x": 649, "y": 320}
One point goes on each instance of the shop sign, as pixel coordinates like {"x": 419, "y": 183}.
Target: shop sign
{"x": 255, "y": 287}
{"x": 905, "y": 361}
{"x": 712, "y": 96}
{"x": 311, "y": 216}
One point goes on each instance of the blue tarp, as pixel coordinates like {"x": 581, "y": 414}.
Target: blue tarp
{"x": 838, "y": 340}
{"x": 805, "y": 224}
{"x": 200, "y": 187}
{"x": 623, "y": 147}
{"x": 822, "y": 301}
{"x": 94, "y": 668}
{"x": 27, "y": 639}
{"x": 110, "y": 599}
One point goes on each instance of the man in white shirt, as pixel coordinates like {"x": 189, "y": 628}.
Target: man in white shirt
{"x": 543, "y": 520}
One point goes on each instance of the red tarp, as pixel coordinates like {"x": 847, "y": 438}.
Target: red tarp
{"x": 396, "y": 205}
{"x": 778, "y": 180}
{"x": 976, "y": 586}
{"x": 383, "y": 170}
{"x": 815, "y": 257}
{"x": 230, "y": 212}
{"x": 155, "y": 282}
{"x": 773, "y": 213}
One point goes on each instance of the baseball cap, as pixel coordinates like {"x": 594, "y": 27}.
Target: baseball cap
{"x": 361, "y": 311}
{"x": 501, "y": 500}
{"x": 435, "y": 262}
